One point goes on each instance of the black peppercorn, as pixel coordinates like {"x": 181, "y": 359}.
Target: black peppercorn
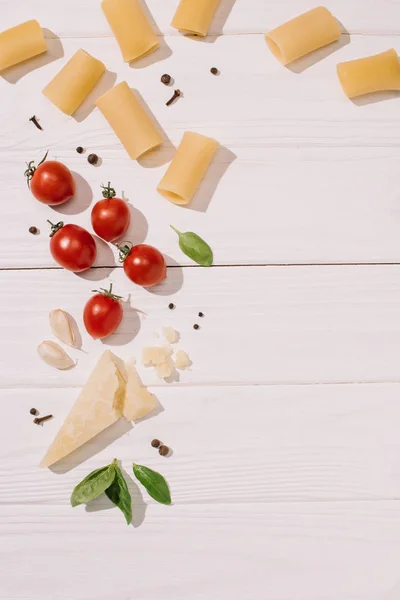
{"x": 93, "y": 159}
{"x": 163, "y": 450}
{"x": 33, "y": 230}
{"x": 34, "y": 411}
{"x": 79, "y": 149}
{"x": 156, "y": 443}
{"x": 195, "y": 326}
{"x": 166, "y": 79}
{"x": 171, "y": 306}
{"x": 214, "y": 71}
{"x": 201, "y": 314}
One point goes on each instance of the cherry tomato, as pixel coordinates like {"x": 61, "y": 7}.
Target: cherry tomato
{"x": 102, "y": 314}
{"x": 72, "y": 247}
{"x": 143, "y": 264}
{"x": 111, "y": 216}
{"x": 50, "y": 182}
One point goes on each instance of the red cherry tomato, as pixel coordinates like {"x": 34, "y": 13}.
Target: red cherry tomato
{"x": 111, "y": 216}
{"x": 72, "y": 247}
{"x": 143, "y": 264}
{"x": 50, "y": 182}
{"x": 102, "y": 314}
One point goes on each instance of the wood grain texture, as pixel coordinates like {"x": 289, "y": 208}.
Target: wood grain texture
{"x": 77, "y": 18}
{"x": 285, "y": 470}
{"x": 231, "y": 445}
{"x": 307, "y": 551}
{"x": 262, "y": 324}
{"x": 304, "y": 175}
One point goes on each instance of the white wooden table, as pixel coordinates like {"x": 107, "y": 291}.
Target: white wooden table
{"x": 286, "y": 467}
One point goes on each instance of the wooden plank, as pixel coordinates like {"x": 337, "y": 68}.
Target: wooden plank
{"x": 230, "y": 445}
{"x": 335, "y": 551}
{"x": 300, "y": 164}
{"x": 262, "y": 324}
{"x": 74, "y": 18}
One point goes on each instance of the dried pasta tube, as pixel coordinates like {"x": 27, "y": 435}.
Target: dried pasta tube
{"x": 20, "y": 43}
{"x": 130, "y": 27}
{"x": 302, "y": 35}
{"x": 71, "y": 86}
{"x": 194, "y": 16}
{"x": 129, "y": 120}
{"x": 375, "y": 73}
{"x": 187, "y": 168}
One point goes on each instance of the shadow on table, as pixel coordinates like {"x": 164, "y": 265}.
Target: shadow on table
{"x": 93, "y": 447}
{"x": 82, "y": 198}
{"x": 106, "y": 82}
{"x": 207, "y": 188}
{"x": 218, "y": 23}
{"x": 129, "y": 327}
{"x": 162, "y": 52}
{"x": 173, "y": 282}
{"x": 163, "y": 153}
{"x": 54, "y": 52}
{"x": 139, "y": 507}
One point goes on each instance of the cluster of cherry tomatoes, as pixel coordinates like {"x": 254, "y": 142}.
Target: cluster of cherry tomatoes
{"x": 74, "y": 248}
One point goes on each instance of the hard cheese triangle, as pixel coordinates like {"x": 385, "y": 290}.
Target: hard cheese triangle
{"x": 138, "y": 400}
{"x": 99, "y": 405}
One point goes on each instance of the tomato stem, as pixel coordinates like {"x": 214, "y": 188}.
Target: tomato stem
{"x": 124, "y": 250}
{"x": 108, "y": 191}
{"x": 30, "y": 171}
{"x": 55, "y": 227}
{"x": 108, "y": 293}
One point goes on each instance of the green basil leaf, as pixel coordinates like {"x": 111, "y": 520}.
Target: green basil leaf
{"x": 154, "y": 483}
{"x": 195, "y": 248}
{"x": 118, "y": 493}
{"x": 93, "y": 485}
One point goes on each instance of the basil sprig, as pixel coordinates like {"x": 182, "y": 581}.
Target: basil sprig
{"x": 93, "y": 485}
{"x": 195, "y": 248}
{"x": 154, "y": 483}
{"x": 110, "y": 480}
{"x": 119, "y": 495}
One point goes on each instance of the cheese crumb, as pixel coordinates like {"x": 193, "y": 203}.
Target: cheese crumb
{"x": 165, "y": 369}
{"x": 182, "y": 360}
{"x": 155, "y": 355}
{"x": 171, "y": 335}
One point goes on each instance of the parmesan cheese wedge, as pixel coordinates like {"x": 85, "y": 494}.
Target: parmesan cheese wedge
{"x": 139, "y": 402}
{"x": 99, "y": 405}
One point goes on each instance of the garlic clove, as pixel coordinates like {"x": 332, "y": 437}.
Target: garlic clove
{"x": 54, "y": 355}
{"x": 61, "y": 326}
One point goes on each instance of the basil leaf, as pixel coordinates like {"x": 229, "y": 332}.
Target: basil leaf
{"x": 93, "y": 485}
{"x": 118, "y": 493}
{"x": 195, "y": 248}
{"x": 154, "y": 483}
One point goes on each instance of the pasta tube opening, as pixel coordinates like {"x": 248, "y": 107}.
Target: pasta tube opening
{"x": 303, "y": 34}
{"x": 194, "y": 16}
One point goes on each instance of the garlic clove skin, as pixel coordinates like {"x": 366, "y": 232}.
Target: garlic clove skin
{"x": 54, "y": 355}
{"x": 61, "y": 326}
